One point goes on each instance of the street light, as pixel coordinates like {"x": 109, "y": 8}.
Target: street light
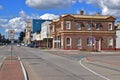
{"x": 47, "y": 36}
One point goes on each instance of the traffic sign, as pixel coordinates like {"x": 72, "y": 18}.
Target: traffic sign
{"x": 11, "y": 34}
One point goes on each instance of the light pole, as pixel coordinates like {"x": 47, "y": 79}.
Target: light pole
{"x": 47, "y": 37}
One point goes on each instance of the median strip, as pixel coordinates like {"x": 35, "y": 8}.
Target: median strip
{"x": 12, "y": 69}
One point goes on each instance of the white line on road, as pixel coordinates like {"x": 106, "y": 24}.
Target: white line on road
{"x": 23, "y": 69}
{"x": 97, "y": 74}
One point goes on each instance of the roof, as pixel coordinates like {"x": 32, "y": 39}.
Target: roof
{"x": 84, "y": 16}
{"x": 87, "y": 16}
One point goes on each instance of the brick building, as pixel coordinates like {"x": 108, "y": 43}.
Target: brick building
{"x": 83, "y": 32}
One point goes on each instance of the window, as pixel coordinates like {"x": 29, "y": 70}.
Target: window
{"x": 62, "y": 24}
{"x": 78, "y": 26}
{"x": 53, "y": 28}
{"x": 98, "y": 26}
{"x": 68, "y": 41}
{"x": 68, "y": 24}
{"x": 89, "y": 26}
{"x": 79, "y": 41}
{"x": 89, "y": 41}
{"x": 110, "y": 41}
{"x": 109, "y": 26}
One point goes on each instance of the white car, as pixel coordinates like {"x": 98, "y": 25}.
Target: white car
{"x": 18, "y": 45}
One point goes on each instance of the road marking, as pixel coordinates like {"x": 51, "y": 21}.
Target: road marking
{"x": 23, "y": 69}
{"x": 97, "y": 74}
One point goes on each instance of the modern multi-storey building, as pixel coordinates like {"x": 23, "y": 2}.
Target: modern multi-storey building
{"x": 83, "y": 32}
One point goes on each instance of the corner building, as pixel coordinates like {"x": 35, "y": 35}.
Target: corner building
{"x": 83, "y": 32}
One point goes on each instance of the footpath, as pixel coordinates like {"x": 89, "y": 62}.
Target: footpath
{"x": 11, "y": 69}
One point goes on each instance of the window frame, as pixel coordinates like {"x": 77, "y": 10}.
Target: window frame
{"x": 89, "y": 41}
{"x": 110, "y": 41}
{"x": 79, "y": 24}
{"x": 68, "y": 44}
{"x": 110, "y": 27}
{"x": 79, "y": 41}
{"x": 68, "y": 24}
{"x": 89, "y": 26}
{"x": 97, "y": 24}
{"x": 53, "y": 29}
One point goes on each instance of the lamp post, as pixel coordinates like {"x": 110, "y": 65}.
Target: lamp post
{"x": 47, "y": 37}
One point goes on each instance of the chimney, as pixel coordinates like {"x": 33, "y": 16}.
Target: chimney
{"x": 98, "y": 14}
{"x": 81, "y": 12}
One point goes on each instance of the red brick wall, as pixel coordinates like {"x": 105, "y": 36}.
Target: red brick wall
{"x": 74, "y": 36}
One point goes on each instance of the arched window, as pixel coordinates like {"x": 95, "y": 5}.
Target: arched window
{"x": 68, "y": 41}
{"x": 89, "y": 26}
{"x": 79, "y": 41}
{"x": 79, "y": 25}
{"x": 110, "y": 41}
{"x": 89, "y": 41}
{"x": 98, "y": 25}
{"x": 109, "y": 26}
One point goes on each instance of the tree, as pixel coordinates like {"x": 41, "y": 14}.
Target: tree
{"x": 0, "y": 37}
{"x": 21, "y": 36}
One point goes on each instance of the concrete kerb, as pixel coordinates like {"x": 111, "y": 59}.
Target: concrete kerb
{"x": 22, "y": 66}
{"x": 23, "y": 69}
{"x": 101, "y": 63}
{"x": 1, "y": 63}
{"x": 92, "y": 71}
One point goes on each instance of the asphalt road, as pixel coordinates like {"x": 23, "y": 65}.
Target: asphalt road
{"x": 42, "y": 65}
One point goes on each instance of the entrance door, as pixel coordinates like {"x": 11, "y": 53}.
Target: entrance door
{"x": 98, "y": 45}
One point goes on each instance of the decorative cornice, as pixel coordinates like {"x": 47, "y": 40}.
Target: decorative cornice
{"x": 86, "y": 31}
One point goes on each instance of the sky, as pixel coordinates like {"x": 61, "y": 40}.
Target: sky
{"x": 14, "y": 13}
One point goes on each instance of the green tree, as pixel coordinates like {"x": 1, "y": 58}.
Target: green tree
{"x": 21, "y": 36}
{"x": 0, "y": 37}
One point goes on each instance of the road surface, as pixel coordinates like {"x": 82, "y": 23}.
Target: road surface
{"x": 42, "y": 65}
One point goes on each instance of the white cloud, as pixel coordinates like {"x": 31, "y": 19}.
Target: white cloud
{"x": 80, "y": 0}
{"x": 49, "y": 16}
{"x": 1, "y": 7}
{"x": 3, "y": 20}
{"x": 108, "y": 7}
{"x": 19, "y": 23}
{"x": 74, "y": 1}
{"x": 16, "y": 23}
{"x": 48, "y": 4}
{"x": 22, "y": 14}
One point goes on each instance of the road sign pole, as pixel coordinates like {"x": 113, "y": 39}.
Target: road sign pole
{"x": 11, "y": 37}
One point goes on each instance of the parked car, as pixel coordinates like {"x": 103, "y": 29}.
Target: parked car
{"x": 32, "y": 45}
{"x": 18, "y": 45}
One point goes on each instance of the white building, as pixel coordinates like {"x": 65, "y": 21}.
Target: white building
{"x": 118, "y": 36}
{"x": 45, "y": 34}
{"x": 45, "y": 30}
{"x": 36, "y": 36}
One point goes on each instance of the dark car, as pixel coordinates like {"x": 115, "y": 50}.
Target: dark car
{"x": 33, "y": 46}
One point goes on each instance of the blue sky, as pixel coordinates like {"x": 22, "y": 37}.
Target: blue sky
{"x": 13, "y": 13}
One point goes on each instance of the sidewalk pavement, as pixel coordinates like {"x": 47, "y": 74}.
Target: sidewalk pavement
{"x": 111, "y": 61}
{"x": 11, "y": 69}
